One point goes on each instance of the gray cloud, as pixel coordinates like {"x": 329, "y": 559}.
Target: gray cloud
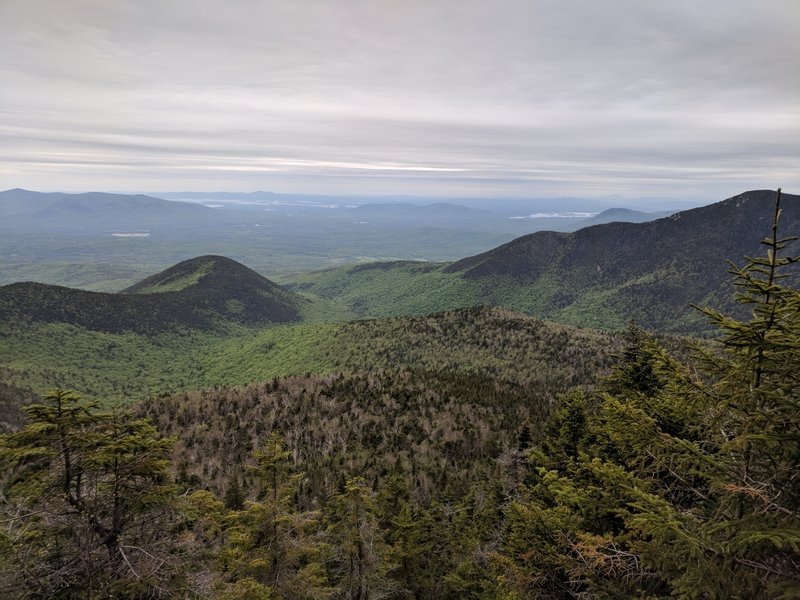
{"x": 508, "y": 98}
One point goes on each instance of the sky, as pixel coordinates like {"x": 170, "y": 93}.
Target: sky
{"x": 461, "y": 98}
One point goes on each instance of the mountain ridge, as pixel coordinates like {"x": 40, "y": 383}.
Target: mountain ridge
{"x": 751, "y": 223}
{"x": 58, "y": 211}
{"x": 599, "y": 276}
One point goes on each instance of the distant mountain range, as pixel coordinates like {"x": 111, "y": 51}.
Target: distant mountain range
{"x": 94, "y": 211}
{"x": 106, "y": 242}
{"x": 25, "y": 210}
{"x": 210, "y": 320}
{"x": 622, "y": 215}
{"x": 599, "y": 276}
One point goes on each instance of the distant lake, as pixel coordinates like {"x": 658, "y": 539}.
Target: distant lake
{"x": 557, "y": 215}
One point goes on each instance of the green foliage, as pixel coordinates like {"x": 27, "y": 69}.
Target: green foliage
{"x": 176, "y": 279}
{"x": 755, "y": 523}
{"x": 636, "y": 369}
{"x": 437, "y": 457}
{"x": 595, "y": 277}
{"x": 357, "y": 557}
{"x": 234, "y": 495}
{"x": 86, "y": 493}
{"x": 379, "y": 290}
{"x": 675, "y": 480}
{"x": 118, "y": 368}
{"x": 270, "y": 542}
{"x": 97, "y": 276}
{"x": 110, "y": 368}
{"x": 196, "y": 294}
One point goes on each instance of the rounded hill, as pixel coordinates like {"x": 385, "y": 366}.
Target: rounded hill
{"x": 200, "y": 293}
{"x": 223, "y": 286}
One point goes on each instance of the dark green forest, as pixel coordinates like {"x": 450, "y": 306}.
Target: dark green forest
{"x": 599, "y": 277}
{"x": 524, "y": 460}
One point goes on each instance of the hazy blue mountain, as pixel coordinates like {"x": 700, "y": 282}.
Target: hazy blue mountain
{"x": 95, "y": 211}
{"x": 622, "y": 215}
{"x": 107, "y": 242}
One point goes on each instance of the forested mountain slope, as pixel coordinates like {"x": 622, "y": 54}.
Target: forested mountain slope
{"x": 199, "y": 293}
{"x": 599, "y": 276}
{"x": 661, "y": 477}
{"x": 121, "y": 368}
{"x": 438, "y": 430}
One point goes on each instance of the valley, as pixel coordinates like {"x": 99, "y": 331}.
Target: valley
{"x": 211, "y": 321}
{"x": 117, "y": 368}
{"x": 69, "y": 239}
{"x": 306, "y": 300}
{"x": 451, "y": 417}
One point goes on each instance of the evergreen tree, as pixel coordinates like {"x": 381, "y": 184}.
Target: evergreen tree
{"x": 682, "y": 480}
{"x": 87, "y": 499}
{"x": 234, "y": 495}
{"x": 635, "y": 370}
{"x": 358, "y": 558}
{"x": 751, "y": 523}
{"x": 271, "y": 546}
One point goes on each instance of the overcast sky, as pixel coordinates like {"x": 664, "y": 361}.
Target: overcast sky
{"x": 491, "y": 98}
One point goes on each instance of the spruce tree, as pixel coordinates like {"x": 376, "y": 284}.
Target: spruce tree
{"x": 87, "y": 498}
{"x": 357, "y": 557}
{"x": 234, "y": 495}
{"x": 753, "y": 525}
{"x": 678, "y": 479}
{"x": 271, "y": 549}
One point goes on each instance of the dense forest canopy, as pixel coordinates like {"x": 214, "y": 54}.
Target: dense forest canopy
{"x": 669, "y": 477}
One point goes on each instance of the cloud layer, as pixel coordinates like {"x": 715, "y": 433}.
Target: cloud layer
{"x": 506, "y": 98}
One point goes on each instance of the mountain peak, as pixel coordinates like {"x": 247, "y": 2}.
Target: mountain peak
{"x": 198, "y": 293}
{"x": 206, "y": 271}
{"x": 224, "y": 286}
